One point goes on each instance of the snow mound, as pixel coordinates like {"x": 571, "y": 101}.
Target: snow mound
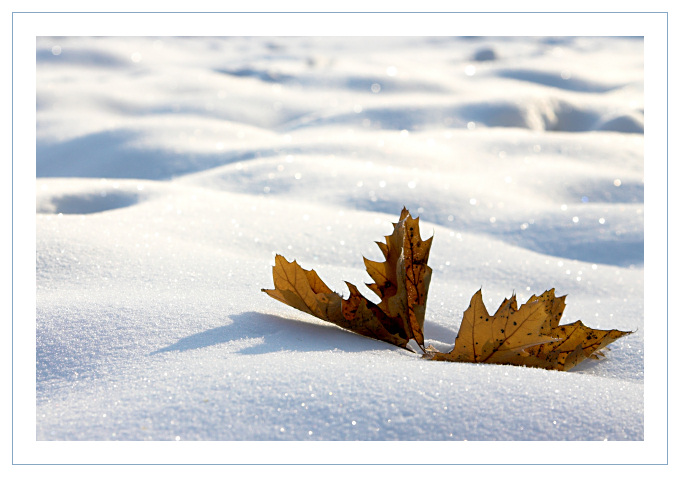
{"x": 171, "y": 170}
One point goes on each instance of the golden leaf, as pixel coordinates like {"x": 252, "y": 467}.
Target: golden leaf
{"x": 304, "y": 290}
{"x": 500, "y": 338}
{"x": 401, "y": 281}
{"x": 576, "y": 342}
{"x": 528, "y": 336}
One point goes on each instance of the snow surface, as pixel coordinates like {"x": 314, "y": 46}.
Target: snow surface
{"x": 171, "y": 170}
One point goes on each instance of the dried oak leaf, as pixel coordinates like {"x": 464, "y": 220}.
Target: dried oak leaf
{"x": 403, "y": 279}
{"x": 401, "y": 282}
{"x": 304, "y": 290}
{"x": 526, "y": 336}
{"x": 576, "y": 340}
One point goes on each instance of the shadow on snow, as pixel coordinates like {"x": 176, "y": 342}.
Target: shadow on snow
{"x": 274, "y": 334}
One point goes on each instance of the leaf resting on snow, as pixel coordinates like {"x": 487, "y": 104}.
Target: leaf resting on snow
{"x": 403, "y": 279}
{"x": 304, "y": 290}
{"x": 529, "y": 335}
{"x": 401, "y": 282}
{"x": 526, "y": 336}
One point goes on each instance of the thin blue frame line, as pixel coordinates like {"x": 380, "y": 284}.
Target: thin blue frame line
{"x": 365, "y": 464}
{"x": 667, "y": 227}
{"x": 12, "y": 239}
{"x": 667, "y": 250}
{"x": 316, "y": 12}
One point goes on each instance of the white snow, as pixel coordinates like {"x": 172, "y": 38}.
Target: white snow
{"x": 171, "y": 170}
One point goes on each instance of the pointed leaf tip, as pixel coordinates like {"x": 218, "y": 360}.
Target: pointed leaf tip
{"x": 528, "y": 336}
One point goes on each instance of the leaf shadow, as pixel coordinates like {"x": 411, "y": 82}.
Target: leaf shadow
{"x": 260, "y": 333}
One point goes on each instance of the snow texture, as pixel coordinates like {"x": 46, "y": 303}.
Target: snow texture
{"x": 171, "y": 170}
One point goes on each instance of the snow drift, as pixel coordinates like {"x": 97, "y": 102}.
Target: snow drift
{"x": 171, "y": 170}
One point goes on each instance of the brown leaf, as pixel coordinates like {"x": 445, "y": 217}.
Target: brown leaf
{"x": 500, "y": 338}
{"x": 304, "y": 290}
{"x": 528, "y": 336}
{"x": 576, "y": 342}
{"x": 401, "y": 281}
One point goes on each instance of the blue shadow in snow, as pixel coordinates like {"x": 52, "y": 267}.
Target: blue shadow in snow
{"x": 277, "y": 334}
{"x": 555, "y": 80}
{"x": 91, "y": 203}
